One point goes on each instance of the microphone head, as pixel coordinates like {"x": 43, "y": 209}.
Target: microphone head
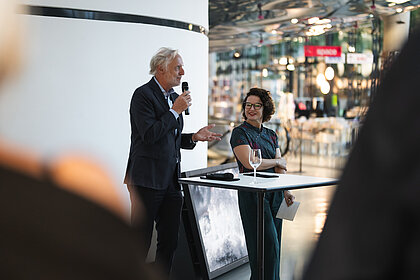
{"x": 184, "y": 86}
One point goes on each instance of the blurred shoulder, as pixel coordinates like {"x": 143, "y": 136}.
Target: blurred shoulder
{"x": 74, "y": 173}
{"x": 85, "y": 177}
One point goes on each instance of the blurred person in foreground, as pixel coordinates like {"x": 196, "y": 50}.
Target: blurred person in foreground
{"x": 373, "y": 226}
{"x": 257, "y": 108}
{"x": 154, "y": 161}
{"x": 62, "y": 219}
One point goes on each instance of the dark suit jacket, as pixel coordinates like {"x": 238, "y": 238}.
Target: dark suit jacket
{"x": 155, "y": 149}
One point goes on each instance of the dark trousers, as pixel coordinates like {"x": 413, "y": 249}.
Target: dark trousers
{"x": 164, "y": 208}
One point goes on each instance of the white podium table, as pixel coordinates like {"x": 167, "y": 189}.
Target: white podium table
{"x": 262, "y": 186}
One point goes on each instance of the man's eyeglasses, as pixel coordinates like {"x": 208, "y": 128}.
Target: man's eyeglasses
{"x": 257, "y": 106}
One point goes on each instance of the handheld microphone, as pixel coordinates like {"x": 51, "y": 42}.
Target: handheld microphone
{"x": 185, "y": 88}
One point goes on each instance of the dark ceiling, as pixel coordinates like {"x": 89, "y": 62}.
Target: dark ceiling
{"x": 244, "y": 23}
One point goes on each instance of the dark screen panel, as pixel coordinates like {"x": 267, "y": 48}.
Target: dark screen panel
{"x": 217, "y": 224}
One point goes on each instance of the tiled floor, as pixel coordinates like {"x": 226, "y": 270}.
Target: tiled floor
{"x": 300, "y": 235}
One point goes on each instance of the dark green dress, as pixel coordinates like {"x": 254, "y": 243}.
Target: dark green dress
{"x": 266, "y": 140}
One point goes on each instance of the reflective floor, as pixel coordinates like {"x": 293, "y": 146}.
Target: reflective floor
{"x": 300, "y": 236}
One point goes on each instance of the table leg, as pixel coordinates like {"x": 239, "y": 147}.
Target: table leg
{"x": 260, "y": 234}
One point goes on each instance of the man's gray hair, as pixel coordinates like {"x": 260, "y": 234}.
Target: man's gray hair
{"x": 163, "y": 57}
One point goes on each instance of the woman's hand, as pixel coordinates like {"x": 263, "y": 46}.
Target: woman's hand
{"x": 289, "y": 198}
{"x": 280, "y": 163}
{"x": 280, "y": 166}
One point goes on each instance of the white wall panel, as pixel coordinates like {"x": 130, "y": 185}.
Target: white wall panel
{"x": 77, "y": 81}
{"x": 191, "y": 11}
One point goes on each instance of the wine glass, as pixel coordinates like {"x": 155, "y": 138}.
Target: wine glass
{"x": 255, "y": 160}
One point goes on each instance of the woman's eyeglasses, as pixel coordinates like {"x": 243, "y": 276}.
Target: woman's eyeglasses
{"x": 257, "y": 106}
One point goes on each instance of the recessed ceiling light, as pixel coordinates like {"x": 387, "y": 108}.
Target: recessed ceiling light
{"x": 397, "y": 1}
{"x": 290, "y": 67}
{"x": 313, "y": 20}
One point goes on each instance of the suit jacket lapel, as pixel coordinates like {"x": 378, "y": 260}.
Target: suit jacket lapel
{"x": 158, "y": 94}
{"x": 180, "y": 120}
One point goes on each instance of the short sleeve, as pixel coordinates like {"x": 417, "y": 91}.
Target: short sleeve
{"x": 238, "y": 138}
{"x": 274, "y": 138}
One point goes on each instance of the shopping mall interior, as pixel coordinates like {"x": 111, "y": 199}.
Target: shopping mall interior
{"x": 322, "y": 62}
{"x": 320, "y": 101}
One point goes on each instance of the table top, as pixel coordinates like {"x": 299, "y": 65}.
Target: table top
{"x": 282, "y": 182}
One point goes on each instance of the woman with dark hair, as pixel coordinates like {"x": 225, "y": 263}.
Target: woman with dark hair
{"x": 258, "y": 107}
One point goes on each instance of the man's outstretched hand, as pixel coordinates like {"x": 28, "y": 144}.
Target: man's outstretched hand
{"x": 204, "y": 134}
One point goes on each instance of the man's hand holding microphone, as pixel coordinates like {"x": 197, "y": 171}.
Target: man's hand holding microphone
{"x": 183, "y": 102}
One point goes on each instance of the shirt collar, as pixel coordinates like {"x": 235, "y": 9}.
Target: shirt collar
{"x": 254, "y": 128}
{"x": 167, "y": 94}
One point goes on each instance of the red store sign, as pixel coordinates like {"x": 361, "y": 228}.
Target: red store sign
{"x": 322, "y": 51}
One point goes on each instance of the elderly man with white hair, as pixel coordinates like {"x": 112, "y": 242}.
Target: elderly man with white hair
{"x": 154, "y": 162}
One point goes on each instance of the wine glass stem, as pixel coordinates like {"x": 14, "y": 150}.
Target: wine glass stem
{"x": 255, "y": 174}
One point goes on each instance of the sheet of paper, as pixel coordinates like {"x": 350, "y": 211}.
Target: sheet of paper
{"x": 287, "y": 212}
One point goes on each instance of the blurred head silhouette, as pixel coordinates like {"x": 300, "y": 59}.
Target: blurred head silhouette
{"x": 10, "y": 39}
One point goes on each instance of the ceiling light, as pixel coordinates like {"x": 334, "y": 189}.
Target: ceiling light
{"x": 316, "y": 30}
{"x": 397, "y": 1}
{"x": 351, "y": 49}
{"x": 294, "y": 20}
{"x": 290, "y": 67}
{"x": 283, "y": 61}
{"x": 313, "y": 20}
{"x": 237, "y": 54}
{"x": 325, "y": 88}
{"x": 265, "y": 72}
{"x": 398, "y": 10}
{"x": 391, "y": 4}
{"x": 329, "y": 73}
{"x": 320, "y": 79}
